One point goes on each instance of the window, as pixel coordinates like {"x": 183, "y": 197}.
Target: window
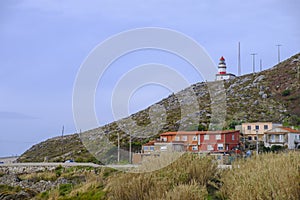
{"x": 210, "y": 147}
{"x": 164, "y": 139}
{"x": 194, "y": 147}
{"x": 151, "y": 148}
{"x": 256, "y": 127}
{"x": 195, "y": 138}
{"x": 146, "y": 148}
{"x": 177, "y": 138}
{"x": 249, "y": 138}
{"x": 255, "y": 138}
{"x": 206, "y": 137}
{"x": 280, "y": 138}
{"x": 220, "y": 147}
{"x": 232, "y": 137}
{"x": 248, "y": 127}
{"x": 184, "y": 138}
{"x": 266, "y": 127}
{"x": 272, "y": 138}
{"x": 218, "y": 137}
{"x": 163, "y": 148}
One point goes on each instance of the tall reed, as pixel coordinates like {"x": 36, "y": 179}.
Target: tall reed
{"x": 267, "y": 176}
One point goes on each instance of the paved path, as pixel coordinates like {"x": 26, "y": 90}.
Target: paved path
{"x": 48, "y": 164}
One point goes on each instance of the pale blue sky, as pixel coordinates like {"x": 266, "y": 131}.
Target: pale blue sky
{"x": 43, "y": 44}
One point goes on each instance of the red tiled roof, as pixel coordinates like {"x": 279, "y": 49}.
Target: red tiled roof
{"x": 286, "y": 130}
{"x": 198, "y": 132}
{"x": 276, "y": 133}
{"x": 150, "y": 143}
{"x": 290, "y": 130}
{"x": 179, "y": 133}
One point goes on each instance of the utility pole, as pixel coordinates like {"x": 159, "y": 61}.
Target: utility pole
{"x": 118, "y": 147}
{"x": 260, "y": 64}
{"x": 278, "y": 52}
{"x": 130, "y": 148}
{"x": 253, "y": 61}
{"x": 62, "y": 140}
{"x": 256, "y": 141}
{"x": 239, "y": 59}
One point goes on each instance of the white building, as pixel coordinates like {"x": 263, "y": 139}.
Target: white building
{"x": 222, "y": 74}
{"x": 282, "y": 136}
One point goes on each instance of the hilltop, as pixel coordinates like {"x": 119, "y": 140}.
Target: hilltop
{"x": 269, "y": 95}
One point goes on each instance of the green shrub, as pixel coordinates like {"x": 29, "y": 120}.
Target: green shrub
{"x": 286, "y": 93}
{"x": 65, "y": 189}
{"x": 276, "y": 148}
{"x": 58, "y": 170}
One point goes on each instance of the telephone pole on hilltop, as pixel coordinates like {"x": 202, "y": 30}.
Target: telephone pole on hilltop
{"x": 260, "y": 64}
{"x": 239, "y": 59}
{"x": 278, "y": 52}
{"x": 253, "y": 61}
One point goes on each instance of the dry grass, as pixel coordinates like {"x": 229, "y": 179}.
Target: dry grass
{"x": 190, "y": 173}
{"x": 152, "y": 163}
{"x": 268, "y": 176}
{"x": 35, "y": 177}
{"x": 192, "y": 192}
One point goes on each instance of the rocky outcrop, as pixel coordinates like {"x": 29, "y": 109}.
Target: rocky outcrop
{"x": 13, "y": 180}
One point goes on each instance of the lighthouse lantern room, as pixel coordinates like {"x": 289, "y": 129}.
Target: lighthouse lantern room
{"x": 222, "y": 74}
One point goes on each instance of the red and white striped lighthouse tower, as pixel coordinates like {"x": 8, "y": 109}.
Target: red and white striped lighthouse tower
{"x": 222, "y": 66}
{"x": 222, "y": 74}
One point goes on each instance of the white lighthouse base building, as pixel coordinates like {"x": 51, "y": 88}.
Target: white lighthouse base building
{"x": 220, "y": 77}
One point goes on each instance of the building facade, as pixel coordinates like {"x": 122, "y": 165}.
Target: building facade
{"x": 195, "y": 141}
{"x": 282, "y": 136}
{"x": 253, "y": 130}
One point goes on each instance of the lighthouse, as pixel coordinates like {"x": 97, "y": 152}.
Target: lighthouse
{"x": 222, "y": 74}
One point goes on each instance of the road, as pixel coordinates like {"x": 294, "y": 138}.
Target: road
{"x": 8, "y": 159}
{"x": 48, "y": 164}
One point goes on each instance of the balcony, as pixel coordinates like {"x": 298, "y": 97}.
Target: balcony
{"x": 275, "y": 141}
